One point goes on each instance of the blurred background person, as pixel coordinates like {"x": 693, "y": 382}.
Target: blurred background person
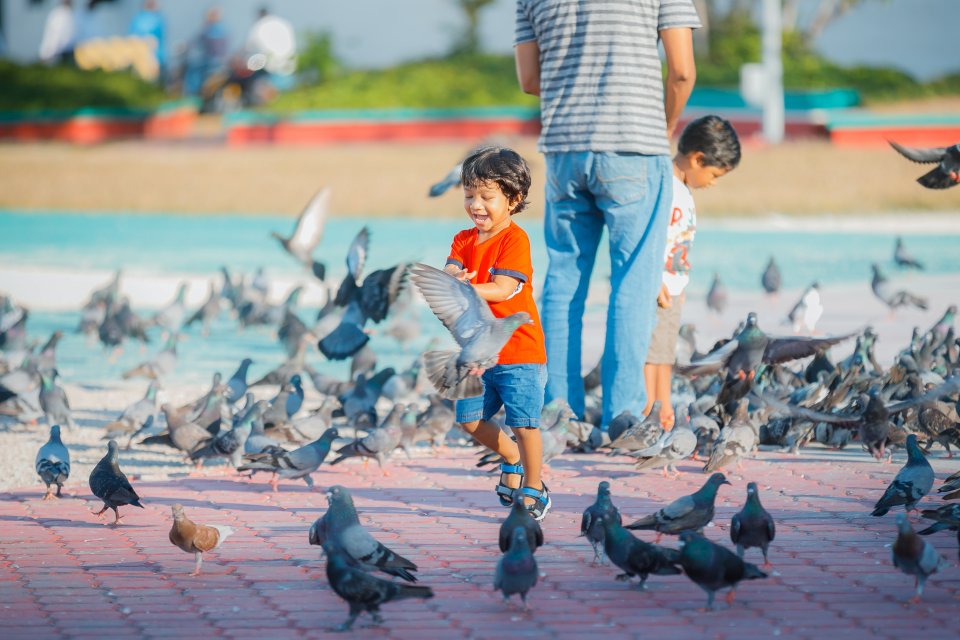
{"x": 148, "y": 22}
{"x": 207, "y": 54}
{"x": 59, "y": 32}
{"x": 273, "y": 38}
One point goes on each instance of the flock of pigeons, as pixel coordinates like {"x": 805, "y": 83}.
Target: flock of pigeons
{"x": 742, "y": 394}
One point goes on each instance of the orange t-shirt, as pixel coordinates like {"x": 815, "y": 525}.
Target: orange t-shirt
{"x": 505, "y": 254}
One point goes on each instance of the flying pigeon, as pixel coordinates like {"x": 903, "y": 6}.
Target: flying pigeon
{"x": 308, "y": 232}
{"x": 480, "y": 335}
{"x": 947, "y": 172}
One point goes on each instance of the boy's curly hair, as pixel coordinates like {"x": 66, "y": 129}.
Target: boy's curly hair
{"x": 502, "y": 166}
{"x": 715, "y": 138}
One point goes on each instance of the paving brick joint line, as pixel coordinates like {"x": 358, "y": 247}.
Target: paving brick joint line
{"x": 64, "y": 574}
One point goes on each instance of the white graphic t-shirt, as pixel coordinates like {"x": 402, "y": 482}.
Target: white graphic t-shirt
{"x": 683, "y": 226}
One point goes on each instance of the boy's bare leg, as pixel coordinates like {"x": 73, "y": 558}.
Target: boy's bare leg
{"x": 491, "y": 436}
{"x": 664, "y": 377}
{"x": 531, "y": 457}
{"x": 650, "y": 382}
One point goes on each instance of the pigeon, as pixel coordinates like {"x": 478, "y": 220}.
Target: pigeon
{"x": 688, "y": 513}
{"x": 752, "y": 526}
{"x": 452, "y": 179}
{"x": 170, "y": 318}
{"x": 282, "y": 374}
{"x": 196, "y": 538}
{"x": 913, "y": 481}
{"x": 520, "y": 518}
{"x": 135, "y": 415}
{"x": 53, "y": 400}
{"x": 902, "y": 258}
{"x": 362, "y": 591}
{"x": 673, "y": 446}
{"x": 712, "y": 567}
{"x": 945, "y": 518}
{"x": 634, "y": 556}
{"x": 621, "y": 423}
{"x": 893, "y": 299}
{"x": 237, "y": 384}
{"x": 162, "y": 363}
{"x": 53, "y": 463}
{"x": 771, "y": 277}
{"x": 947, "y": 172}
{"x": 480, "y": 335}
{"x": 308, "y": 232}
{"x": 181, "y": 434}
{"x": 717, "y": 295}
{"x": 915, "y": 556}
{"x": 436, "y": 421}
{"x": 230, "y": 444}
{"x": 517, "y": 568}
{"x": 806, "y": 313}
{"x": 379, "y": 443}
{"x": 340, "y": 529}
{"x": 737, "y": 439}
{"x": 108, "y": 483}
{"x": 641, "y": 435}
{"x": 591, "y": 525}
{"x": 290, "y": 465}
{"x": 942, "y": 326}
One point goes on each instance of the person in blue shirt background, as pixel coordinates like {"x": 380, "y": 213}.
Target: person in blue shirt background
{"x": 148, "y": 22}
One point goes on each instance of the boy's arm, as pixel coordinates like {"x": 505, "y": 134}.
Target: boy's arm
{"x": 499, "y": 289}
{"x": 527, "y": 58}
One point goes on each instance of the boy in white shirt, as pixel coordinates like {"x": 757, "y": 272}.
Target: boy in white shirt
{"x": 708, "y": 149}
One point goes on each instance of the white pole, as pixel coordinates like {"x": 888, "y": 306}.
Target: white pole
{"x": 773, "y": 116}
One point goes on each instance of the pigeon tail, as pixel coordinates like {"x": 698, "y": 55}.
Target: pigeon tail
{"x": 343, "y": 342}
{"x": 443, "y": 372}
{"x": 752, "y": 572}
{"x": 413, "y": 591}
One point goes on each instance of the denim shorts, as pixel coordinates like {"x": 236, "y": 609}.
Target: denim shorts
{"x": 516, "y": 387}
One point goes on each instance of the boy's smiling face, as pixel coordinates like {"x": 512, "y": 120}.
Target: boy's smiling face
{"x": 487, "y": 207}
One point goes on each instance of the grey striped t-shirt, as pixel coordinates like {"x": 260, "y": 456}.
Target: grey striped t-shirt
{"x": 601, "y": 85}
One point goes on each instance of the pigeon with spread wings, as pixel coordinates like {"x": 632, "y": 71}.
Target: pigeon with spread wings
{"x": 469, "y": 320}
{"x": 947, "y": 172}
{"x": 308, "y": 232}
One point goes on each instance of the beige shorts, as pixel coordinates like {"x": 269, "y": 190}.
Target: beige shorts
{"x": 663, "y": 342}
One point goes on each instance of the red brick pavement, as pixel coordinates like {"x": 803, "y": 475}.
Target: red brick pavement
{"x": 63, "y": 574}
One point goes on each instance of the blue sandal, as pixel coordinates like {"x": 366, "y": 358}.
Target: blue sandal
{"x": 541, "y": 501}
{"x": 505, "y": 493}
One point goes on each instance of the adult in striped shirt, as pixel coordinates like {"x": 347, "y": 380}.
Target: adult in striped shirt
{"x": 607, "y": 116}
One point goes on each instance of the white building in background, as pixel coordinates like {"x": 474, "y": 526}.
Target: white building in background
{"x": 915, "y": 34}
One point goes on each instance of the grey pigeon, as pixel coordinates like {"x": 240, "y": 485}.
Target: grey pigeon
{"x": 452, "y": 179}
{"x": 712, "y": 567}
{"x": 473, "y": 326}
{"x": 517, "y": 568}
{"x": 883, "y": 290}
{"x": 290, "y": 465}
{"x": 717, "y": 295}
{"x": 915, "y": 556}
{"x": 135, "y": 415}
{"x": 639, "y": 435}
{"x": 340, "y": 528}
{"x": 945, "y": 518}
{"x": 108, "y": 483}
{"x": 379, "y": 443}
{"x": 673, "y": 446}
{"x": 184, "y": 435}
{"x": 436, "y": 421}
{"x": 53, "y": 400}
{"x": 752, "y": 526}
{"x": 162, "y": 364}
{"x": 362, "y": 591}
{"x": 258, "y": 441}
{"x": 687, "y": 513}
{"x": 771, "y": 277}
{"x": 207, "y": 312}
{"x": 633, "y": 556}
{"x": 913, "y": 481}
{"x": 237, "y": 384}
{"x": 230, "y": 444}
{"x": 308, "y": 232}
{"x": 620, "y": 423}
{"x": 947, "y": 172}
{"x": 53, "y": 463}
{"x": 737, "y": 439}
{"x": 902, "y": 258}
{"x": 591, "y": 524}
{"x": 170, "y": 318}
{"x": 519, "y": 517}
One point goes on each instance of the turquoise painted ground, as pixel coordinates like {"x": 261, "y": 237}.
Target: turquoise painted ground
{"x": 172, "y": 245}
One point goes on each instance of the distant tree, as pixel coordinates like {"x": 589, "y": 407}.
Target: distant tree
{"x": 469, "y": 41}
{"x": 826, "y": 12}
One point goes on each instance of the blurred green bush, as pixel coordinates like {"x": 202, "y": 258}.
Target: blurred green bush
{"x": 37, "y": 87}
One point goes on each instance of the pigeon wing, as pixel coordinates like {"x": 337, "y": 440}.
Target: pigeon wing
{"x": 785, "y": 349}
{"x": 309, "y": 230}
{"x": 937, "y": 178}
{"x": 921, "y": 156}
{"x": 455, "y": 303}
{"x": 711, "y": 362}
{"x": 357, "y": 253}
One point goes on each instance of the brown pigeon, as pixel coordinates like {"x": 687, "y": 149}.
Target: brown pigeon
{"x": 196, "y": 538}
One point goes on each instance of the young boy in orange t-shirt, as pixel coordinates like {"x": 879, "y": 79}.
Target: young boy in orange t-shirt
{"x": 494, "y": 256}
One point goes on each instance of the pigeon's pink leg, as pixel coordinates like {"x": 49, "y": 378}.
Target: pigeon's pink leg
{"x": 99, "y": 514}
{"x": 730, "y": 596}
{"x": 196, "y": 566}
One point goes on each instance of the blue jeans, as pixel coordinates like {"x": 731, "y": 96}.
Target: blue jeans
{"x": 516, "y": 387}
{"x": 631, "y": 195}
